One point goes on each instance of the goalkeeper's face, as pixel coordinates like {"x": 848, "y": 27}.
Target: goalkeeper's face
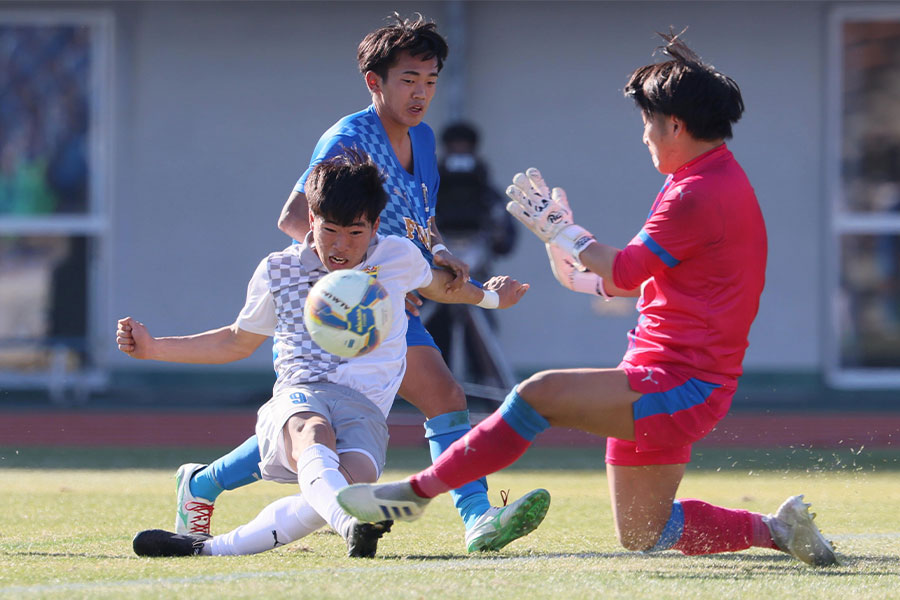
{"x": 342, "y": 246}
{"x": 660, "y": 139}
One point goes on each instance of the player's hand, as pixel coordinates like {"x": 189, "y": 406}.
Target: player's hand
{"x": 545, "y": 213}
{"x": 572, "y": 275}
{"x": 413, "y": 302}
{"x": 508, "y": 289}
{"x": 133, "y": 338}
{"x": 459, "y": 269}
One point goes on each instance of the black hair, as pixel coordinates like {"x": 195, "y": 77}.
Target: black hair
{"x": 460, "y": 131}
{"x": 345, "y": 188}
{"x": 378, "y": 51}
{"x": 707, "y": 101}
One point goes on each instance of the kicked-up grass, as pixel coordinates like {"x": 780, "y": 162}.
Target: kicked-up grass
{"x": 67, "y": 517}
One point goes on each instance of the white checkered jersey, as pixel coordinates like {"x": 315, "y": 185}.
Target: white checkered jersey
{"x": 277, "y": 294}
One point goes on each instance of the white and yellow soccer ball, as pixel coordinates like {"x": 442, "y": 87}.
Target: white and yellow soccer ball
{"x": 348, "y": 313}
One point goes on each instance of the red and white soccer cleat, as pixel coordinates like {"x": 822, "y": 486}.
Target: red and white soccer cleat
{"x": 192, "y": 514}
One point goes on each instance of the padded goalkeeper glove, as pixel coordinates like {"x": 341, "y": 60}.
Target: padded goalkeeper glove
{"x": 546, "y": 213}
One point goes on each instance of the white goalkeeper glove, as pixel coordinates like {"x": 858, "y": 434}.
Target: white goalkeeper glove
{"x": 572, "y": 275}
{"x": 546, "y": 214}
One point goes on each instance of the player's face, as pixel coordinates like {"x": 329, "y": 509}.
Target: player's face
{"x": 659, "y": 138}
{"x": 404, "y": 95}
{"x": 342, "y": 246}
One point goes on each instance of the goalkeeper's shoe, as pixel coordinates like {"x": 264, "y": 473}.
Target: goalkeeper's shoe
{"x": 362, "y": 539}
{"x": 192, "y": 514}
{"x": 793, "y": 531}
{"x": 500, "y": 525}
{"x": 374, "y": 502}
{"x": 156, "y": 542}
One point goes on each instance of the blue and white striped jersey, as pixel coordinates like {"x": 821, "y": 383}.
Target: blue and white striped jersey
{"x": 411, "y": 197}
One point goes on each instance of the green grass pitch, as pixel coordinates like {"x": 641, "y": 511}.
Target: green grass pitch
{"x": 67, "y": 517}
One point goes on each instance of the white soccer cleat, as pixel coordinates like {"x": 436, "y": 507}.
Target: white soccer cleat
{"x": 374, "y": 502}
{"x": 192, "y": 514}
{"x": 501, "y": 525}
{"x": 793, "y": 531}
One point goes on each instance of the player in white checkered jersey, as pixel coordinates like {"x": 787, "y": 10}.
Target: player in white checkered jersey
{"x": 325, "y": 424}
{"x": 400, "y": 64}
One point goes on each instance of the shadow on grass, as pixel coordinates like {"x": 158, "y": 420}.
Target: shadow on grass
{"x": 727, "y": 566}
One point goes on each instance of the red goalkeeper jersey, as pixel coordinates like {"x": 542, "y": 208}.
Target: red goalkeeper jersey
{"x": 700, "y": 259}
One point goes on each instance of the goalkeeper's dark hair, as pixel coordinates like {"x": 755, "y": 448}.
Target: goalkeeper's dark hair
{"x": 379, "y": 50}
{"x": 708, "y": 102}
{"x": 345, "y": 188}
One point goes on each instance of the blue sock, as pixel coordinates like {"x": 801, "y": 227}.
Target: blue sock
{"x": 236, "y": 469}
{"x": 522, "y": 417}
{"x": 671, "y": 533}
{"x": 471, "y": 499}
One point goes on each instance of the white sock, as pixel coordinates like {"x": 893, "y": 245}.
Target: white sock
{"x": 282, "y": 522}
{"x": 320, "y": 481}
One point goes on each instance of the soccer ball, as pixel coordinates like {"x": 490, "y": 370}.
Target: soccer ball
{"x": 348, "y": 313}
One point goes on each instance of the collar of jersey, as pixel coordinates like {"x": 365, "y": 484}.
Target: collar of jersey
{"x": 701, "y": 162}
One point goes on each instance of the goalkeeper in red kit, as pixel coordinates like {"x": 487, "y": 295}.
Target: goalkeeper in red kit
{"x": 697, "y": 268}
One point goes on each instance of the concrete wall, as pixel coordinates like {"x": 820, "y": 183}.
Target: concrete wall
{"x": 552, "y": 97}
{"x": 218, "y": 106}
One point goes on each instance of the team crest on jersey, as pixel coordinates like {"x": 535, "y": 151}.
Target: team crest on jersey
{"x": 371, "y": 270}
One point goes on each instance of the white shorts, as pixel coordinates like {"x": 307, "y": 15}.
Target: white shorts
{"x": 359, "y": 425}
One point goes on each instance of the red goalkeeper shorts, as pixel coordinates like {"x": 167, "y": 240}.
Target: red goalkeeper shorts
{"x": 674, "y": 412}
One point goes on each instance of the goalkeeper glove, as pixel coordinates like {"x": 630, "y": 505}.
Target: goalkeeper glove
{"x": 546, "y": 214}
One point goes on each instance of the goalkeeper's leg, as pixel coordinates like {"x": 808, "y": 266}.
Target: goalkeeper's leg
{"x": 593, "y": 400}
{"x": 429, "y": 386}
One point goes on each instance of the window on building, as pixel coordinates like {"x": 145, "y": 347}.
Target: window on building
{"x": 53, "y": 218}
{"x": 864, "y": 167}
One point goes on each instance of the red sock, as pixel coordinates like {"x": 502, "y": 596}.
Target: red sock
{"x": 710, "y": 529}
{"x": 489, "y": 447}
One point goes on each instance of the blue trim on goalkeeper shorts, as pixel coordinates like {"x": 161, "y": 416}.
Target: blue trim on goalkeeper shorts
{"x": 236, "y": 469}
{"x": 471, "y": 499}
{"x": 672, "y": 531}
{"x": 522, "y": 417}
